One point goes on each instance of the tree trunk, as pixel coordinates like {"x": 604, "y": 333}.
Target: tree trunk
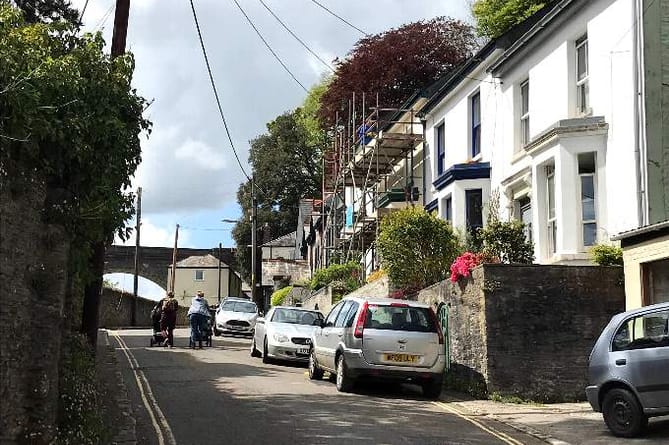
{"x": 91, "y": 310}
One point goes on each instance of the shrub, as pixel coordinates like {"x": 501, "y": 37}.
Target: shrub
{"x": 279, "y": 296}
{"x": 505, "y": 241}
{"x": 607, "y": 255}
{"x": 416, "y": 248}
{"x": 343, "y": 276}
{"x": 463, "y": 265}
{"x": 376, "y": 275}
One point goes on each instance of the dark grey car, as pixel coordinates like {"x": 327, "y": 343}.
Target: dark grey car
{"x": 629, "y": 369}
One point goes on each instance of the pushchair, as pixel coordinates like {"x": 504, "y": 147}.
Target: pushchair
{"x": 206, "y": 333}
{"x": 157, "y": 338}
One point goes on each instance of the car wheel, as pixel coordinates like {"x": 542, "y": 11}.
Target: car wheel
{"x": 265, "y": 356}
{"x": 432, "y": 388}
{"x": 315, "y": 373}
{"x": 344, "y": 382}
{"x": 254, "y": 349}
{"x": 622, "y": 413}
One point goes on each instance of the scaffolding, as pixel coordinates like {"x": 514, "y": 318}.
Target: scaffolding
{"x": 369, "y": 145}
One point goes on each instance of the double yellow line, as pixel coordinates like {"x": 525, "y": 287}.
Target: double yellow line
{"x": 498, "y": 434}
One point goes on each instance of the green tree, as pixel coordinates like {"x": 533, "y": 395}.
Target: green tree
{"x": 47, "y": 11}
{"x": 287, "y": 168}
{"x": 495, "y": 17}
{"x": 505, "y": 241}
{"x": 606, "y": 255}
{"x": 417, "y": 248}
{"x": 279, "y": 296}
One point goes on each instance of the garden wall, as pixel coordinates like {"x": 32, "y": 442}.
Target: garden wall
{"x": 115, "y": 310}
{"x": 527, "y": 330}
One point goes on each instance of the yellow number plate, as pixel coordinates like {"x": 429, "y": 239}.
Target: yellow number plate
{"x": 401, "y": 358}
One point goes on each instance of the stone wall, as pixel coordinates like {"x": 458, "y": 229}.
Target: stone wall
{"x": 33, "y": 315}
{"x": 527, "y": 331}
{"x": 115, "y": 307}
{"x": 377, "y": 289}
{"x": 320, "y": 300}
{"x": 297, "y": 270}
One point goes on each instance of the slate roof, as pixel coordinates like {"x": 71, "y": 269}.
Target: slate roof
{"x": 287, "y": 240}
{"x": 200, "y": 261}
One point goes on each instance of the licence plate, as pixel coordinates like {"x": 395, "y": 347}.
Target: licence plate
{"x": 303, "y": 351}
{"x": 237, "y": 328}
{"x": 401, "y": 358}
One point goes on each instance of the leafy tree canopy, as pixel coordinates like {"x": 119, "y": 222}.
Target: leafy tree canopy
{"x": 397, "y": 62}
{"x": 47, "y": 11}
{"x": 287, "y": 168}
{"x": 71, "y": 117}
{"x": 495, "y": 17}
{"x": 416, "y": 248}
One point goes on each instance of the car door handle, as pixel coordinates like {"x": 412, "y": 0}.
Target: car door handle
{"x": 621, "y": 362}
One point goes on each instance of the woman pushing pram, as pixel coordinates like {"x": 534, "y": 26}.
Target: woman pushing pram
{"x": 164, "y": 319}
{"x": 199, "y": 315}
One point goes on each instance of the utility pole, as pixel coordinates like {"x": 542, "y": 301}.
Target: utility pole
{"x": 220, "y": 246}
{"x": 93, "y": 289}
{"x": 174, "y": 259}
{"x": 138, "y": 226}
{"x": 254, "y": 245}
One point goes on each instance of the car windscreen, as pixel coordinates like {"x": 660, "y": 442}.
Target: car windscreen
{"x": 239, "y": 306}
{"x": 400, "y": 318}
{"x": 293, "y": 316}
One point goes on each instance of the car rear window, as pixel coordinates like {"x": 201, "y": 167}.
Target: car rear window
{"x": 239, "y": 306}
{"x": 399, "y": 318}
{"x": 294, "y": 316}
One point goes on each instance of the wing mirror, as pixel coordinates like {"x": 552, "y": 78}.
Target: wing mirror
{"x": 260, "y": 320}
{"x": 318, "y": 322}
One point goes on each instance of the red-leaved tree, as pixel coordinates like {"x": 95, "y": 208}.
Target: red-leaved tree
{"x": 397, "y": 62}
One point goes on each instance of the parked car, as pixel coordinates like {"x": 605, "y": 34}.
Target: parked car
{"x": 380, "y": 338}
{"x": 285, "y": 333}
{"x": 235, "y": 316}
{"x": 629, "y": 370}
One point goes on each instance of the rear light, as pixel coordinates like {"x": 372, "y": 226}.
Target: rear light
{"x": 399, "y": 305}
{"x": 435, "y": 320}
{"x": 360, "y": 324}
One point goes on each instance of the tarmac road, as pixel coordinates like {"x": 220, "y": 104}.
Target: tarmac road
{"x": 221, "y": 395}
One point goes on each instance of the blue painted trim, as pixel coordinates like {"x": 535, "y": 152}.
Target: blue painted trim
{"x": 458, "y": 172}
{"x": 432, "y": 205}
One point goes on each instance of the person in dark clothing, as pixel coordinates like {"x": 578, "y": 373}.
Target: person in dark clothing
{"x": 168, "y": 318}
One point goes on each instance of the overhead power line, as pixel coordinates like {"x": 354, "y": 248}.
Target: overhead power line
{"x": 296, "y": 37}
{"x": 340, "y": 18}
{"x": 248, "y": 19}
{"x": 213, "y": 87}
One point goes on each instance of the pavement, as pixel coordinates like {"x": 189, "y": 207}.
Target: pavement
{"x": 556, "y": 424}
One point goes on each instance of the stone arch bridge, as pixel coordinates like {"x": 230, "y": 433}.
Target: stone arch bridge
{"x": 154, "y": 261}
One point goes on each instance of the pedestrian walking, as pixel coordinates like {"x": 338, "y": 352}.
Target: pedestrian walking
{"x": 198, "y": 315}
{"x": 168, "y": 318}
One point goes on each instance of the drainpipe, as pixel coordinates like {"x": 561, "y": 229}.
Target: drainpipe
{"x": 639, "y": 115}
{"x": 423, "y": 121}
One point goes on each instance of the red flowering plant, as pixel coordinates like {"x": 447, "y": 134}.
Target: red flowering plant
{"x": 463, "y": 265}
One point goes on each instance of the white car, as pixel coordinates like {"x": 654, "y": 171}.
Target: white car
{"x": 235, "y": 316}
{"x": 285, "y": 334}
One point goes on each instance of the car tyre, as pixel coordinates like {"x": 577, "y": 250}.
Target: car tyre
{"x": 265, "y": 355}
{"x": 344, "y": 382}
{"x": 315, "y": 373}
{"x": 623, "y": 414}
{"x": 432, "y": 388}
{"x": 254, "y": 349}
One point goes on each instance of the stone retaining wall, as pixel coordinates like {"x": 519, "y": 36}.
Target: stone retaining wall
{"x": 115, "y": 309}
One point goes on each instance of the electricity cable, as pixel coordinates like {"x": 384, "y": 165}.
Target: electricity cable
{"x": 248, "y": 19}
{"x": 296, "y": 37}
{"x": 340, "y": 18}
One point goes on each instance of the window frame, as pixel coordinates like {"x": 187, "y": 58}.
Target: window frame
{"x": 524, "y": 113}
{"x": 582, "y": 84}
{"x": 551, "y": 221}
{"x": 469, "y": 193}
{"x": 440, "y": 149}
{"x": 448, "y": 209}
{"x": 475, "y": 127}
{"x": 663, "y": 343}
{"x": 195, "y": 278}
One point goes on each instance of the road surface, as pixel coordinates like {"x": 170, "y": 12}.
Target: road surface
{"x": 221, "y": 395}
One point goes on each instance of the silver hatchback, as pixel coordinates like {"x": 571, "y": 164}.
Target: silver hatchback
{"x": 629, "y": 370}
{"x": 380, "y": 338}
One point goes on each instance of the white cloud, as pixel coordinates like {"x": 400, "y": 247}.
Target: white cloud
{"x": 201, "y": 154}
{"x": 153, "y": 235}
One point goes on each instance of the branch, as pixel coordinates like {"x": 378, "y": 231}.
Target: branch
{"x": 15, "y": 139}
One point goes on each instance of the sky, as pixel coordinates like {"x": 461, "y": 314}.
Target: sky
{"x": 188, "y": 173}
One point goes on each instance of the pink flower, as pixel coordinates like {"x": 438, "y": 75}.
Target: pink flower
{"x": 463, "y": 265}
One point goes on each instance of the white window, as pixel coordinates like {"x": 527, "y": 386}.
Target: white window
{"x": 551, "y": 218}
{"x": 524, "y": 113}
{"x": 199, "y": 275}
{"x": 525, "y": 216}
{"x": 582, "y": 76}
{"x": 586, "y": 173}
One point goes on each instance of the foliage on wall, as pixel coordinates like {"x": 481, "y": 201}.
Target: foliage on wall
{"x": 279, "y": 296}
{"x": 606, "y": 255}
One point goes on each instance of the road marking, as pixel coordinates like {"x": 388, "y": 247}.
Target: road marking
{"x": 149, "y": 400}
{"x": 498, "y": 434}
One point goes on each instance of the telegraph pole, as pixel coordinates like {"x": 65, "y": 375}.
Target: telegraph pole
{"x": 138, "y": 226}
{"x": 254, "y": 243}
{"x": 220, "y": 246}
{"x": 120, "y": 27}
{"x": 174, "y": 259}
